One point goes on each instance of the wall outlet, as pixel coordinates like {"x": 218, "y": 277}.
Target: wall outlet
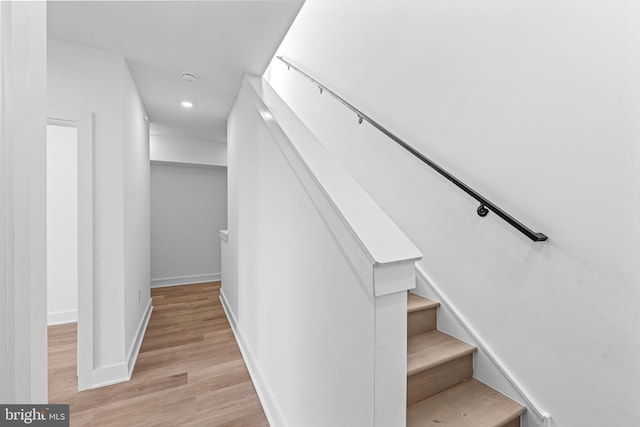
{"x": 139, "y": 295}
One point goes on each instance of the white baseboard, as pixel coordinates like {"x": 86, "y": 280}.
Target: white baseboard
{"x": 185, "y": 280}
{"x": 108, "y": 375}
{"x": 132, "y": 357}
{"x": 267, "y": 399}
{"x": 62, "y": 317}
{"x": 494, "y": 371}
{"x": 121, "y": 372}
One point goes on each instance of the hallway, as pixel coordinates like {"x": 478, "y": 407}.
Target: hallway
{"x": 189, "y": 370}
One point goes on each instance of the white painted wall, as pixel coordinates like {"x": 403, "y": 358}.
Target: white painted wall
{"x": 62, "y": 224}
{"x": 188, "y": 208}
{"x": 99, "y": 82}
{"x": 137, "y": 217}
{"x": 173, "y": 149}
{"x": 317, "y": 290}
{"x": 23, "y": 314}
{"x": 91, "y": 80}
{"x": 5, "y": 357}
{"x": 533, "y": 104}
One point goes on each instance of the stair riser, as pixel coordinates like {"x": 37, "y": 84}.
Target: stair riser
{"x": 427, "y": 383}
{"x": 422, "y": 321}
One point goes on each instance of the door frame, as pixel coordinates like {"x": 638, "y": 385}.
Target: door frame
{"x": 83, "y": 121}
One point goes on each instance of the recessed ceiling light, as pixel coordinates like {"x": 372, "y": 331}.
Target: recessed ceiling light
{"x": 186, "y": 104}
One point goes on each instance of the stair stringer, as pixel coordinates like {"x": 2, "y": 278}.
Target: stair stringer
{"x": 486, "y": 366}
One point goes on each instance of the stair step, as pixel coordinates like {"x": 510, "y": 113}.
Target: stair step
{"x": 436, "y": 362}
{"x": 434, "y": 348}
{"x": 417, "y": 303}
{"x": 421, "y": 315}
{"x": 469, "y": 404}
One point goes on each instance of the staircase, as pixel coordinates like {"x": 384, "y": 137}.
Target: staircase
{"x": 441, "y": 390}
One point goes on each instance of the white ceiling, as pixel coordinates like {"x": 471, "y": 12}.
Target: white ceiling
{"x": 218, "y": 40}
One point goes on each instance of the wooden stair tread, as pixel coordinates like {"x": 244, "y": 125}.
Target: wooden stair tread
{"x": 469, "y": 404}
{"x": 424, "y": 351}
{"x": 417, "y": 303}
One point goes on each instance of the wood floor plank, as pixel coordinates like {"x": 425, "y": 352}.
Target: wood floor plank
{"x": 189, "y": 370}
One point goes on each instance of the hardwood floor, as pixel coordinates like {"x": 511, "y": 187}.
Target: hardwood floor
{"x": 189, "y": 371}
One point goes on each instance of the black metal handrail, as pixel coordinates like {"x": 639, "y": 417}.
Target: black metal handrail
{"x": 485, "y": 204}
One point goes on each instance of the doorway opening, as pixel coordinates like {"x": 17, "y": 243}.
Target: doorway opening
{"x": 70, "y": 249}
{"x": 62, "y": 255}
{"x": 62, "y": 225}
